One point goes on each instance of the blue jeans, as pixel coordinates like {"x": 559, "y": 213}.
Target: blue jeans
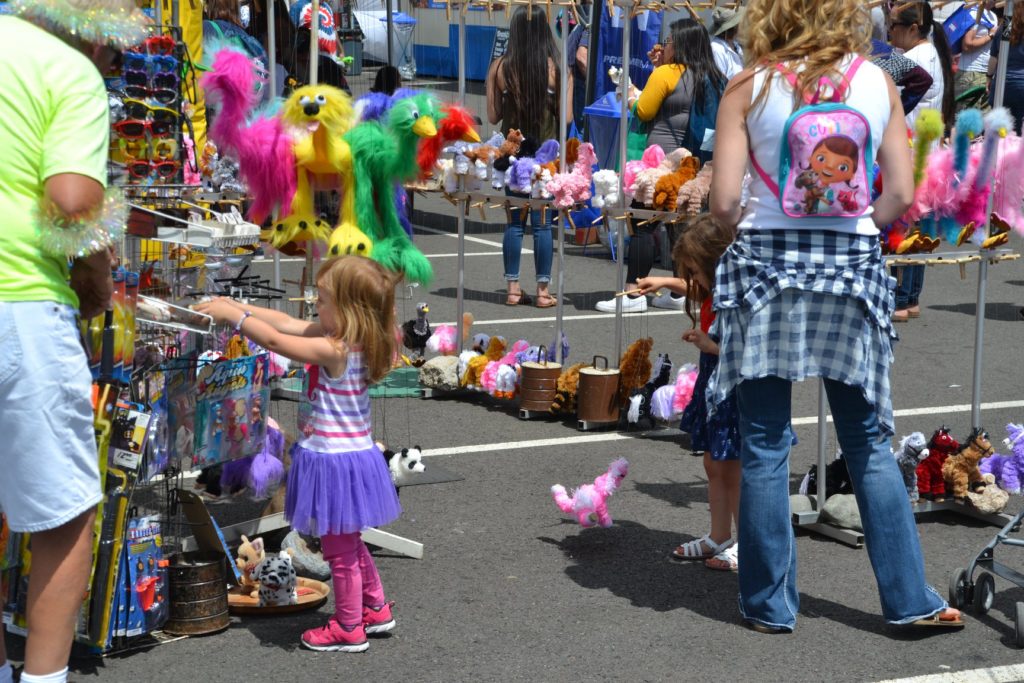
{"x": 909, "y": 286}
{"x": 512, "y": 244}
{"x": 767, "y": 549}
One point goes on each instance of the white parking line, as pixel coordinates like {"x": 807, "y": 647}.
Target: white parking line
{"x": 998, "y": 674}
{"x": 448, "y": 255}
{"x": 618, "y": 436}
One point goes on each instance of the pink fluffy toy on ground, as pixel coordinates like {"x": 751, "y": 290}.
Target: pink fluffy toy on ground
{"x": 590, "y": 502}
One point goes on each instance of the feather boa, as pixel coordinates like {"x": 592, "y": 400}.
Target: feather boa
{"x": 1010, "y": 183}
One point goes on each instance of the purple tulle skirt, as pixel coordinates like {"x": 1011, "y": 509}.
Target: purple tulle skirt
{"x": 339, "y": 493}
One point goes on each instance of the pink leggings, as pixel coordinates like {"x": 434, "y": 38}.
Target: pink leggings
{"x": 356, "y": 582}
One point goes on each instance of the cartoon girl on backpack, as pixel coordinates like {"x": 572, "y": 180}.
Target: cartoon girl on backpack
{"x": 833, "y": 161}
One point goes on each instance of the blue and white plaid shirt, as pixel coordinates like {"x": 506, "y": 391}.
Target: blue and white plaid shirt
{"x": 805, "y": 303}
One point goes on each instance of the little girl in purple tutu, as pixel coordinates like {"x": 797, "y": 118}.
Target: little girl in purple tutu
{"x": 338, "y": 483}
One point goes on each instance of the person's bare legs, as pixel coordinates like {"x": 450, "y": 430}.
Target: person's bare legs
{"x": 723, "y": 496}
{"x": 61, "y": 560}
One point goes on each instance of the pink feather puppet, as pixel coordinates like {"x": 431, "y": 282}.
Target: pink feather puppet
{"x": 651, "y": 158}
{"x": 589, "y": 503}
{"x": 263, "y": 148}
{"x": 686, "y": 380}
{"x": 574, "y": 187}
{"x": 1009, "y": 187}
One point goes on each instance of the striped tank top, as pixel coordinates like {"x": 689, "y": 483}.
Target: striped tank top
{"x": 337, "y": 414}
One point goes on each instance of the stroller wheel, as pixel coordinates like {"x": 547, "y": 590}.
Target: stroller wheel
{"x": 959, "y": 589}
{"x": 984, "y": 593}
{"x": 1019, "y": 630}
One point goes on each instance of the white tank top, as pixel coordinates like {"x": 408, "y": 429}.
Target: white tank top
{"x": 868, "y": 94}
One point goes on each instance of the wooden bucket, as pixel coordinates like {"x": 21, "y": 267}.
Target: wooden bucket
{"x": 198, "y": 595}
{"x": 598, "y": 391}
{"x": 537, "y": 384}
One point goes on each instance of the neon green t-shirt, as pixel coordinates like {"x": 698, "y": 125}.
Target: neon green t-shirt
{"x": 53, "y": 119}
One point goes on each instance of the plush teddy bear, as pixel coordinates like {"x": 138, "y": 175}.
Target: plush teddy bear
{"x": 666, "y": 190}
{"x": 694, "y": 194}
{"x": 961, "y": 470}
{"x": 647, "y": 180}
{"x": 1008, "y": 470}
{"x": 250, "y": 554}
{"x": 912, "y": 451}
{"x": 277, "y": 580}
{"x": 589, "y": 503}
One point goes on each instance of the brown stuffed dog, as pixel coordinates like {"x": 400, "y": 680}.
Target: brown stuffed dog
{"x": 565, "y": 390}
{"x": 635, "y": 367}
{"x": 961, "y": 469}
{"x": 693, "y": 194}
{"x": 667, "y": 188}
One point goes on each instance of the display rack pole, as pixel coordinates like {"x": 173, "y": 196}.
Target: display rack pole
{"x": 620, "y": 239}
{"x": 461, "y": 204}
{"x": 272, "y": 84}
{"x": 314, "y": 43}
{"x": 390, "y": 25}
{"x": 979, "y": 312}
{"x": 563, "y": 215}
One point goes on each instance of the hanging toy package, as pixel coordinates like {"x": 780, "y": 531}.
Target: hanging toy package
{"x": 231, "y": 418}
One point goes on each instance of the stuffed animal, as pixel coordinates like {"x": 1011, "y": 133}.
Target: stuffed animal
{"x": 574, "y": 187}
{"x": 606, "y": 189}
{"x": 930, "y": 484}
{"x": 651, "y": 158}
{"x": 456, "y": 123}
{"x": 641, "y": 402}
{"x": 647, "y": 180}
{"x": 565, "y": 390}
{"x": 277, "y": 580}
{"x": 990, "y": 499}
{"x": 507, "y": 152}
{"x": 589, "y": 503}
{"x": 634, "y": 368}
{"x": 1011, "y": 183}
{"x": 837, "y": 479}
{"x": 1008, "y": 469}
{"x": 693, "y": 195}
{"x": 961, "y": 470}
{"x": 912, "y": 451}
{"x": 250, "y": 555}
{"x": 442, "y": 341}
{"x": 666, "y": 190}
{"x": 686, "y": 382}
{"x": 416, "y": 333}
{"x": 403, "y": 463}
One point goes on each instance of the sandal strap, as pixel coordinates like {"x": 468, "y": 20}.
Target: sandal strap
{"x": 693, "y": 548}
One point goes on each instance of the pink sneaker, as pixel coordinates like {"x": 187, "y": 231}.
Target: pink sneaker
{"x": 378, "y": 620}
{"x": 331, "y": 637}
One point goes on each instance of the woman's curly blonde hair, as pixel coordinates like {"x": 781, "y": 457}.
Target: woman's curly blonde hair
{"x": 815, "y": 33}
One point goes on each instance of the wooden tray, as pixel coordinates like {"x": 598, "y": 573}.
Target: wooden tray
{"x": 312, "y": 594}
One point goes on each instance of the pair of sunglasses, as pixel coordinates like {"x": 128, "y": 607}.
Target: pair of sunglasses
{"x": 136, "y": 129}
{"x": 161, "y": 86}
{"x": 142, "y": 169}
{"x": 143, "y": 62}
{"x": 137, "y": 109}
{"x": 140, "y": 148}
{"x": 159, "y": 45}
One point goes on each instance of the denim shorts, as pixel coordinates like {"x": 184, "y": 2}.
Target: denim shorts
{"x": 49, "y": 472}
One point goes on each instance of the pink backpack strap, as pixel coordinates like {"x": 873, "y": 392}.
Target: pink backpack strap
{"x": 772, "y": 185}
{"x": 837, "y": 90}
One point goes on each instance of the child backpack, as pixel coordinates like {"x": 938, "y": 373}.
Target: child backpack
{"x": 825, "y": 160}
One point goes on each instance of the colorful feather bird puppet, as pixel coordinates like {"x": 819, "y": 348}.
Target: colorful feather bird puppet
{"x": 456, "y": 124}
{"x": 383, "y": 154}
{"x": 284, "y": 158}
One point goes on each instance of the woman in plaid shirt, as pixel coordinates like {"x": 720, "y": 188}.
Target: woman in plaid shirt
{"x": 810, "y": 297}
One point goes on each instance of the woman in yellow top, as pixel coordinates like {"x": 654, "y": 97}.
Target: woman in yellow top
{"x": 685, "y": 82}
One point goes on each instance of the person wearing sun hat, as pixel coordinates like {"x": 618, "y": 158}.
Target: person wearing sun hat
{"x": 725, "y": 24}
{"x": 54, "y": 140}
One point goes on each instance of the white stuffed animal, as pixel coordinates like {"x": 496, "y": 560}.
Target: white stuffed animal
{"x": 403, "y": 463}
{"x": 277, "y": 580}
{"x": 606, "y": 189}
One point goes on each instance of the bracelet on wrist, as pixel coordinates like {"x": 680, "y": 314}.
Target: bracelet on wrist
{"x": 238, "y": 327}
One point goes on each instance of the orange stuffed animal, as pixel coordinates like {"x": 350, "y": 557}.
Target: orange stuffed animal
{"x": 666, "y": 190}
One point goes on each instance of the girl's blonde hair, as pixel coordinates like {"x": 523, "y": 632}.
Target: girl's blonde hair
{"x": 816, "y": 33}
{"x": 697, "y": 249}
{"x": 363, "y": 296}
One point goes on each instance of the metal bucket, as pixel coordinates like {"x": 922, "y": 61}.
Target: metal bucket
{"x": 198, "y": 595}
{"x": 598, "y": 390}
{"x": 538, "y": 383}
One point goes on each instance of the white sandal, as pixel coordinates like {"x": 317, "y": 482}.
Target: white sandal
{"x": 693, "y": 550}
{"x": 726, "y": 561}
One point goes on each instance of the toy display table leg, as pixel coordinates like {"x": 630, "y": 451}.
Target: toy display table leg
{"x": 257, "y": 527}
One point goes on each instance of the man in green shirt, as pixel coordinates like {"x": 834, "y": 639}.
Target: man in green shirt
{"x": 54, "y": 137}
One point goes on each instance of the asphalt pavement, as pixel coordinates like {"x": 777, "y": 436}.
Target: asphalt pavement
{"x": 510, "y": 589}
